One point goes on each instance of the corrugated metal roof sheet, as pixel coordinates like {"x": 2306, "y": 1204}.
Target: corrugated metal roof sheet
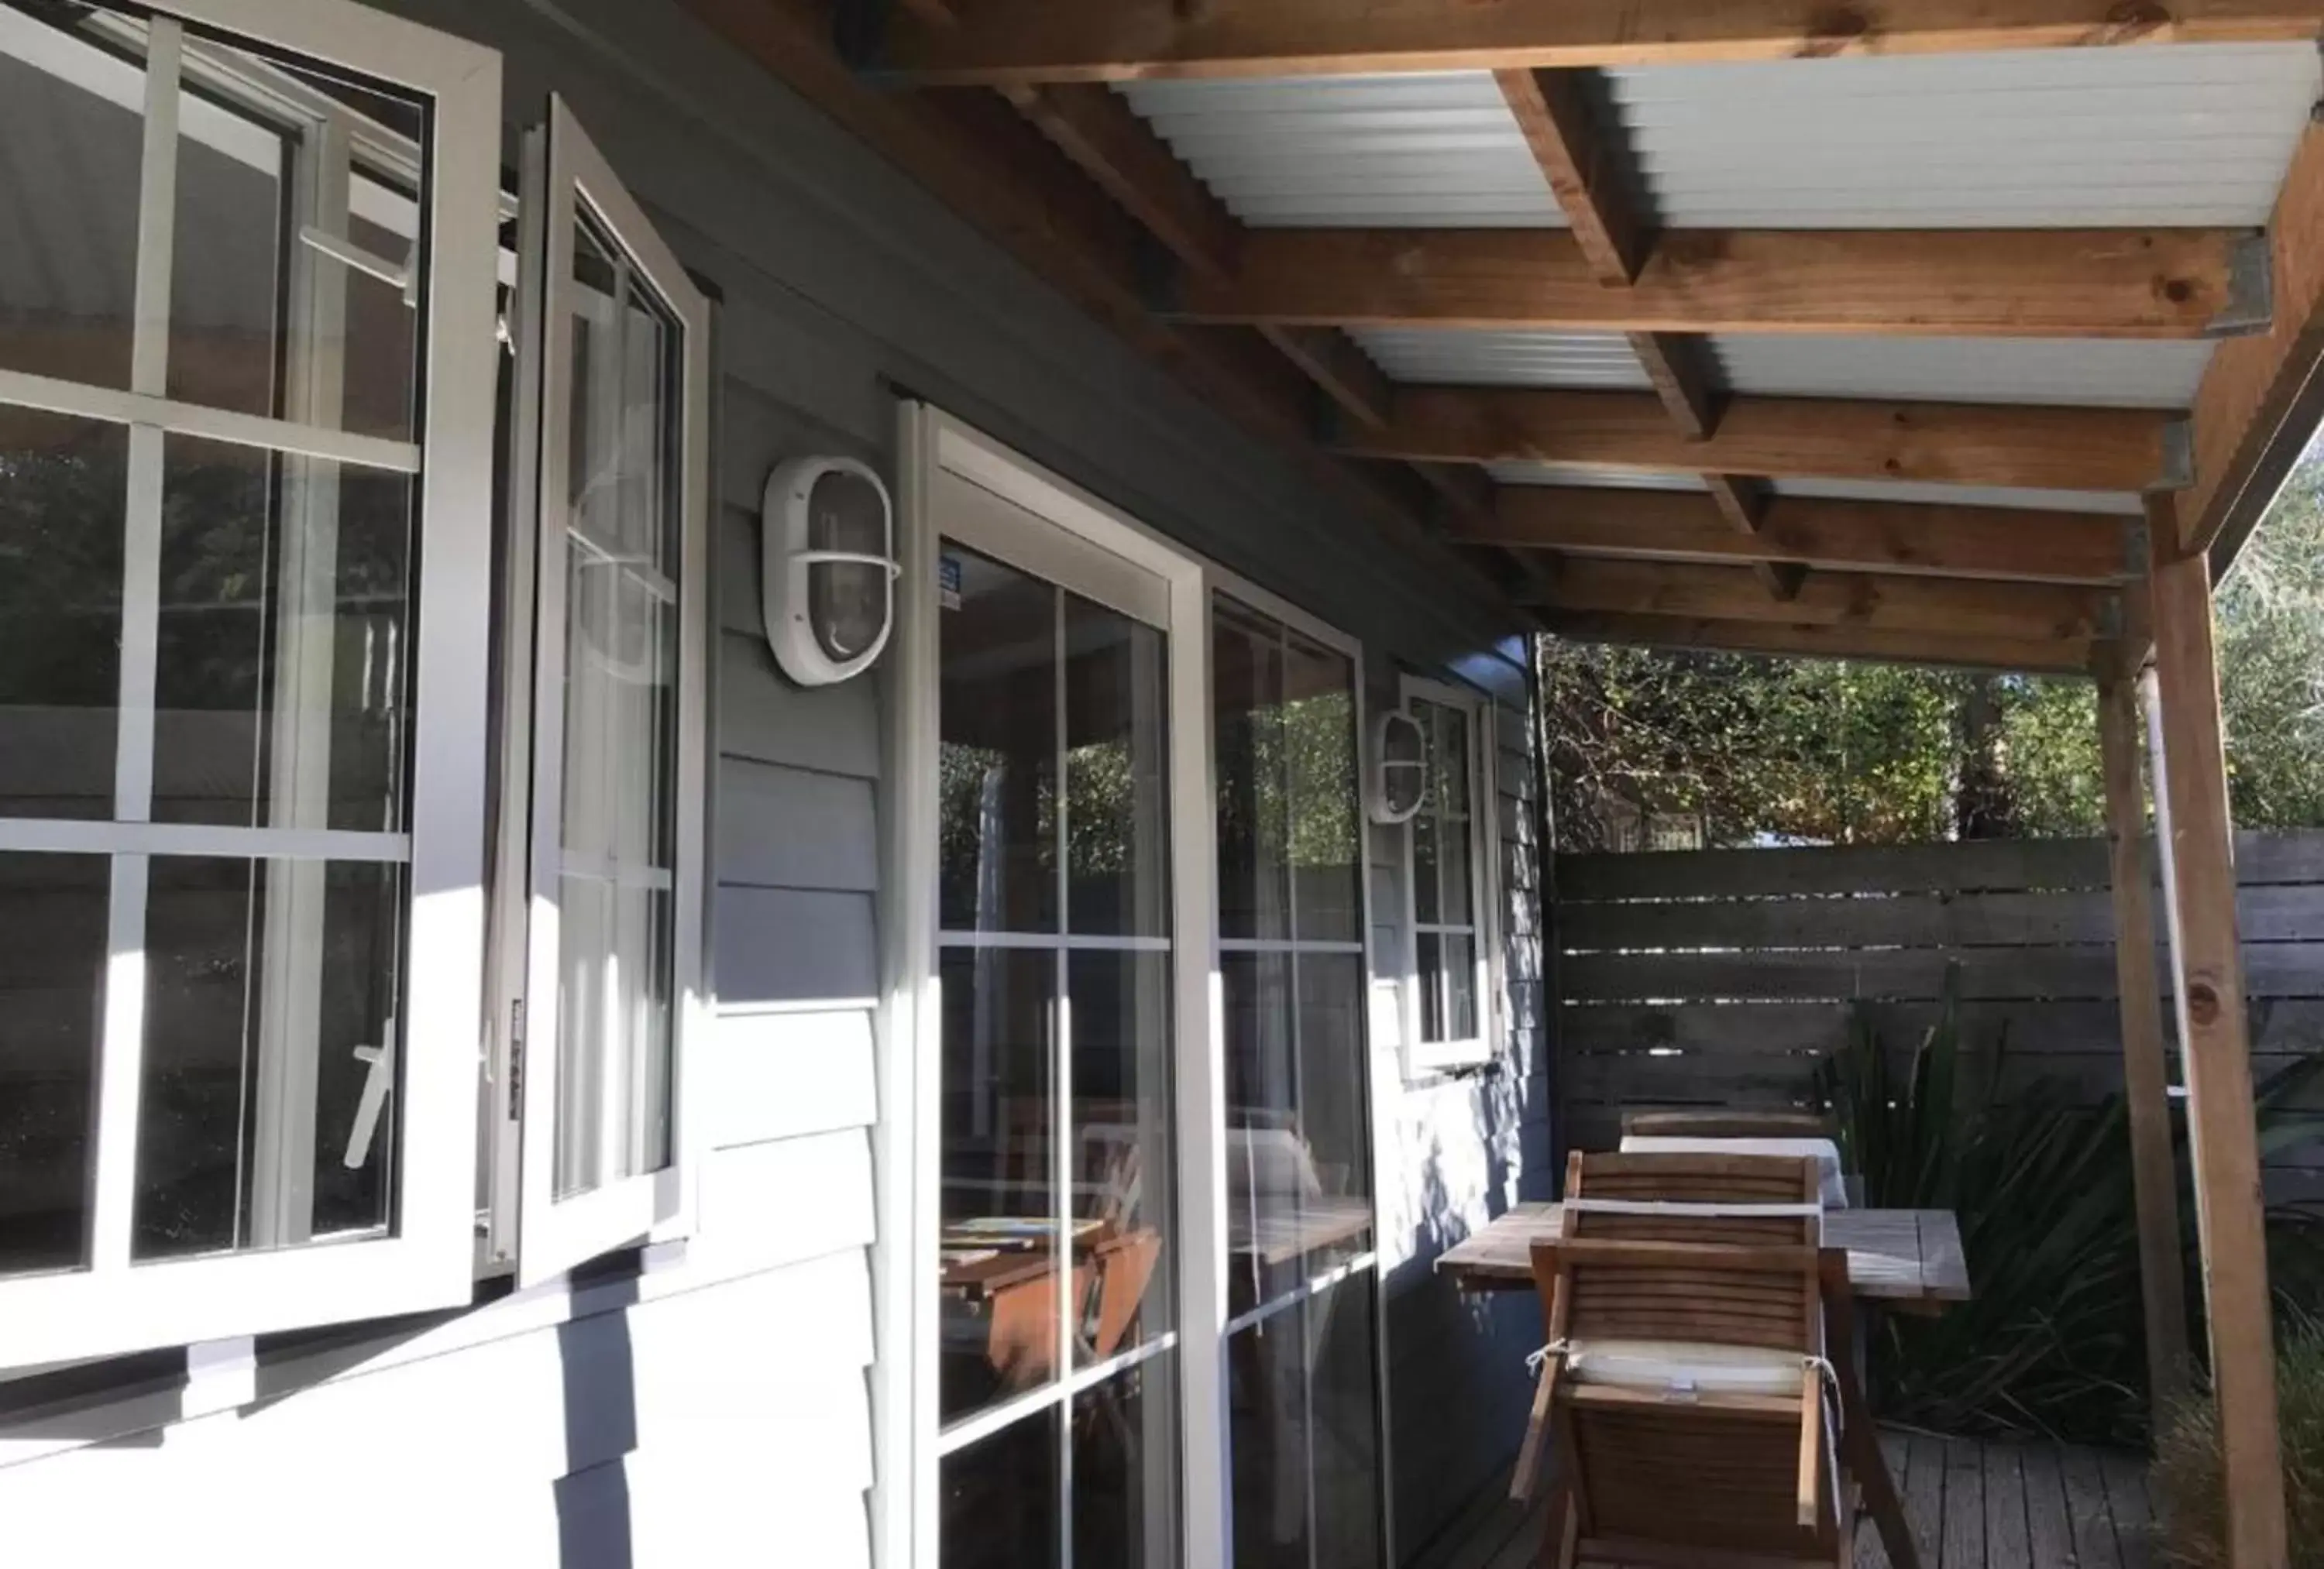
{"x": 2190, "y": 134}
{"x": 2122, "y": 504}
{"x": 1590, "y": 476}
{"x": 1408, "y": 150}
{"x": 1502, "y": 359}
{"x": 2122, "y": 373}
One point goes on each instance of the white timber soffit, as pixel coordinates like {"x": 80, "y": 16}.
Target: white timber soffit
{"x": 1426, "y": 150}
{"x": 2125, "y": 503}
{"x": 2196, "y": 135}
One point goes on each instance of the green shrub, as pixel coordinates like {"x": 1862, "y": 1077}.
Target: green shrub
{"x": 2188, "y": 1489}
{"x": 2052, "y": 1341}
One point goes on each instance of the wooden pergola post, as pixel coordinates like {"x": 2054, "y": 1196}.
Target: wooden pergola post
{"x": 2193, "y": 829}
{"x": 2146, "y": 1082}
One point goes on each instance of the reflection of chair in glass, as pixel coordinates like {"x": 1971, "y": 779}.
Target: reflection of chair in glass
{"x": 1116, "y": 1249}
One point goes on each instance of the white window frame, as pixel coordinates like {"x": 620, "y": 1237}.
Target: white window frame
{"x": 426, "y": 1261}
{"x": 948, "y": 471}
{"x": 1424, "y": 1056}
{"x": 564, "y": 174}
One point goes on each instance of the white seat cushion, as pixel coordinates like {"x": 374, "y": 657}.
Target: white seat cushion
{"x": 1701, "y": 1366}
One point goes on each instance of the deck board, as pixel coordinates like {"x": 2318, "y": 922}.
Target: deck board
{"x": 1970, "y": 1505}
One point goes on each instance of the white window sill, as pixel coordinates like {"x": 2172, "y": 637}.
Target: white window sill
{"x": 1445, "y": 1058}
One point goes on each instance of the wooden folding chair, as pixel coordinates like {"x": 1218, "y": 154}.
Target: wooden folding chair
{"x": 1667, "y": 1271}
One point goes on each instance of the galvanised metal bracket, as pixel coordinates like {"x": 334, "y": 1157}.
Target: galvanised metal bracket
{"x": 2178, "y": 456}
{"x": 2250, "y": 305}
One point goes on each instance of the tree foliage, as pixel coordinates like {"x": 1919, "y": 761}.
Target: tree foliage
{"x": 1827, "y": 751}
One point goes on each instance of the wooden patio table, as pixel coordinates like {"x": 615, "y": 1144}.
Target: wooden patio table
{"x": 1909, "y": 1258}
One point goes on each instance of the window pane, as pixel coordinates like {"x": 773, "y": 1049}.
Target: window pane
{"x": 62, "y": 488}
{"x": 1343, "y": 1421}
{"x": 268, "y": 312}
{"x": 999, "y": 1503}
{"x": 71, "y": 146}
{"x": 1126, "y": 1504}
{"x": 1449, "y": 751}
{"x": 1117, "y": 774}
{"x": 1333, "y": 1083}
{"x": 616, "y": 887}
{"x": 1427, "y": 877}
{"x": 227, "y": 294}
{"x": 1319, "y": 743}
{"x": 1460, "y": 988}
{"x": 1428, "y": 970}
{"x": 1247, "y": 680}
{"x": 997, "y": 769}
{"x": 998, "y": 1270}
{"x": 53, "y": 930}
{"x": 1304, "y": 1403}
{"x": 265, "y": 1115}
{"x": 1297, "y": 1173}
{"x": 285, "y": 609}
{"x": 1123, "y": 1171}
{"x": 1458, "y": 909}
{"x": 1268, "y": 1426}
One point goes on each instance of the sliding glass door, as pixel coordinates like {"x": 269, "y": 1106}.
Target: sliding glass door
{"x": 1305, "y": 1472}
{"x": 1058, "y": 1379}
{"x": 1129, "y": 857}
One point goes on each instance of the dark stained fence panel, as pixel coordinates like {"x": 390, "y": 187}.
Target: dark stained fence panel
{"x": 1722, "y": 977}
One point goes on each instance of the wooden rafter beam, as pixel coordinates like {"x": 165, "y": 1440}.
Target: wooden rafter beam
{"x": 981, "y": 157}
{"x": 1823, "y": 534}
{"x": 1960, "y": 444}
{"x": 1564, "y": 123}
{"x": 2024, "y": 611}
{"x": 1579, "y": 143}
{"x": 1014, "y": 41}
{"x": 1679, "y": 370}
{"x": 2060, "y": 657}
{"x": 2063, "y": 284}
{"x": 1106, "y": 139}
{"x": 1110, "y": 144}
{"x": 2261, "y": 397}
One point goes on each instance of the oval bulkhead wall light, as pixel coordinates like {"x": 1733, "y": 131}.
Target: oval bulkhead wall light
{"x": 830, "y": 568}
{"x": 1398, "y": 785}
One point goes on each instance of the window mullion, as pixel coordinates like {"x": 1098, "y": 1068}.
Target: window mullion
{"x": 1062, "y": 1116}
{"x": 120, "y": 1057}
{"x": 282, "y": 1180}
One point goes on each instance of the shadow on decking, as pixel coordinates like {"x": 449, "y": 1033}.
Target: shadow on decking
{"x": 1970, "y": 1505}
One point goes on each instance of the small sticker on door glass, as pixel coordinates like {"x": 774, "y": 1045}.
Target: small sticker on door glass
{"x": 948, "y": 581}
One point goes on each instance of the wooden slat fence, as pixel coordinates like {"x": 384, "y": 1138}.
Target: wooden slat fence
{"x": 1718, "y": 977}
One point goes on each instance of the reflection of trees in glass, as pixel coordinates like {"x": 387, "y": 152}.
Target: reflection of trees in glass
{"x": 63, "y": 484}
{"x": 1287, "y": 780}
{"x": 969, "y": 780}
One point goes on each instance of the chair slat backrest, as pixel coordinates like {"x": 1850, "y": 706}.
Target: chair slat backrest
{"x": 1735, "y": 1180}
{"x": 1721, "y": 1472}
{"x": 1761, "y": 1296}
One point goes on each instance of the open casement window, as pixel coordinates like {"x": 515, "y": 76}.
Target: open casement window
{"x": 245, "y": 388}
{"x": 616, "y": 339}
{"x": 1450, "y": 849}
